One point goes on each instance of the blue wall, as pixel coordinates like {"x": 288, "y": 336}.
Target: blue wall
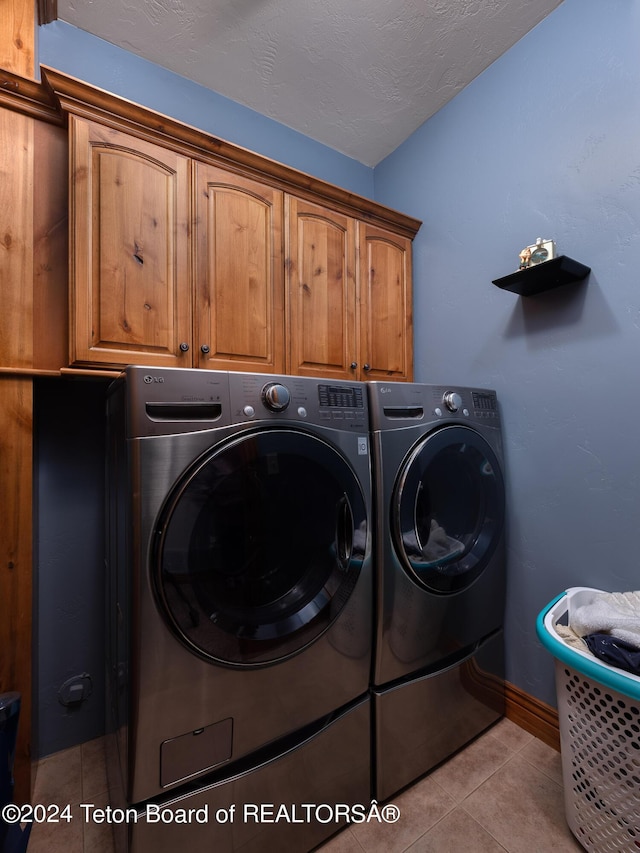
{"x": 543, "y": 143}
{"x": 95, "y": 61}
{"x": 69, "y": 445}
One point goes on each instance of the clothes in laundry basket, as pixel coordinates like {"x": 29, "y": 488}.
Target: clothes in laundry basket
{"x": 615, "y": 652}
{"x": 614, "y": 613}
{"x": 570, "y": 637}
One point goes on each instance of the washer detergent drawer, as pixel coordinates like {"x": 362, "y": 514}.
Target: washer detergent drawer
{"x": 329, "y": 767}
{"x": 421, "y": 722}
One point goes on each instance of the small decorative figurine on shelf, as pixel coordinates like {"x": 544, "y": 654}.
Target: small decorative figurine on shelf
{"x": 525, "y": 258}
{"x": 540, "y": 251}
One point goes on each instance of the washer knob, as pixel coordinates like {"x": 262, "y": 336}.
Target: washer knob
{"x": 276, "y": 396}
{"x": 452, "y": 401}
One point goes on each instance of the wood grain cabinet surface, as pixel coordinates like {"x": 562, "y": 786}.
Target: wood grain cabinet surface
{"x": 139, "y": 294}
{"x": 176, "y": 261}
{"x": 321, "y": 291}
{"x": 129, "y": 256}
{"x": 348, "y": 296}
{"x": 385, "y": 300}
{"x": 239, "y": 319}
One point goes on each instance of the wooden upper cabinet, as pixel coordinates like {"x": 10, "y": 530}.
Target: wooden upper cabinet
{"x": 187, "y": 251}
{"x": 321, "y": 291}
{"x": 130, "y": 271}
{"x": 385, "y": 304}
{"x": 239, "y": 269}
{"x": 348, "y": 295}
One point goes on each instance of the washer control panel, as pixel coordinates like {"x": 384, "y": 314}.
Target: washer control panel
{"x": 452, "y": 400}
{"x": 341, "y": 396}
{"x": 276, "y": 396}
{"x": 339, "y": 404}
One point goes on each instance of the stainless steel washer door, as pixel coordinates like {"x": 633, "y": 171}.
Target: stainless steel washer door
{"x": 448, "y": 509}
{"x": 259, "y": 547}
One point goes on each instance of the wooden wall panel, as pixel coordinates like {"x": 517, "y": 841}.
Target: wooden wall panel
{"x": 50, "y": 248}
{"x": 16, "y": 240}
{"x": 17, "y": 37}
{"x": 16, "y": 421}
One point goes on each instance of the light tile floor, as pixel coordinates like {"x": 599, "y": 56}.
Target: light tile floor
{"x": 502, "y": 793}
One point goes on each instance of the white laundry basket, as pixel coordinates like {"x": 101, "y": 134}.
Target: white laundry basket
{"x": 599, "y": 715}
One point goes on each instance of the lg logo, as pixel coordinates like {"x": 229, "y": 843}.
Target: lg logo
{"x": 148, "y": 380}
{"x": 385, "y": 389}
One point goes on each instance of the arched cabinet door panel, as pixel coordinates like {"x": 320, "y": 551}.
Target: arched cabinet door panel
{"x": 321, "y": 291}
{"x": 239, "y": 293}
{"x": 349, "y": 297}
{"x": 386, "y": 325}
{"x": 130, "y": 290}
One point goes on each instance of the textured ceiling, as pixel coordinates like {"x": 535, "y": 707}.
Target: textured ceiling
{"x": 357, "y": 75}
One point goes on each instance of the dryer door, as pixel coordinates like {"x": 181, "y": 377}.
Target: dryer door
{"x": 448, "y": 509}
{"x": 259, "y": 547}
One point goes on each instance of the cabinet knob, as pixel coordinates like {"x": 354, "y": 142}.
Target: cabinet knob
{"x": 204, "y": 349}
{"x": 353, "y": 365}
{"x": 184, "y": 347}
{"x": 366, "y": 367}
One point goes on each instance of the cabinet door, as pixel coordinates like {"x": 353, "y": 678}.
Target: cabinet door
{"x": 129, "y": 236}
{"x": 385, "y": 304}
{"x": 239, "y": 317}
{"x": 321, "y": 267}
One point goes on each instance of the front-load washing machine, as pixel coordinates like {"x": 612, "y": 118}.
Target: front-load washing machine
{"x": 440, "y": 574}
{"x": 240, "y": 588}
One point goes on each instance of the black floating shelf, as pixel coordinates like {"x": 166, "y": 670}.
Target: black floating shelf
{"x": 544, "y": 276}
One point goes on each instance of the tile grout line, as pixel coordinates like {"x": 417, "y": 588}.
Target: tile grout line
{"x": 485, "y": 829}
{"x": 514, "y": 753}
{"x": 446, "y": 815}
{"x": 460, "y": 800}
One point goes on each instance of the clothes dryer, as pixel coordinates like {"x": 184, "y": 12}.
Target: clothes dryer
{"x": 239, "y": 567}
{"x": 440, "y": 574}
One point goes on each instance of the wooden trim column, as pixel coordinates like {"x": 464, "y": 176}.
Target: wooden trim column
{"x": 16, "y": 420}
{"x": 17, "y": 55}
{"x": 16, "y": 423}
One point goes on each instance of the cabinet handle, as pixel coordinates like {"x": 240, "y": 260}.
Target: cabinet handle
{"x": 204, "y": 349}
{"x": 353, "y": 365}
{"x": 184, "y": 347}
{"x": 366, "y": 367}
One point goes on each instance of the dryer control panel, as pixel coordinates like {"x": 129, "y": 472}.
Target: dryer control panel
{"x": 467, "y": 403}
{"x": 485, "y": 404}
{"x": 395, "y": 405}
